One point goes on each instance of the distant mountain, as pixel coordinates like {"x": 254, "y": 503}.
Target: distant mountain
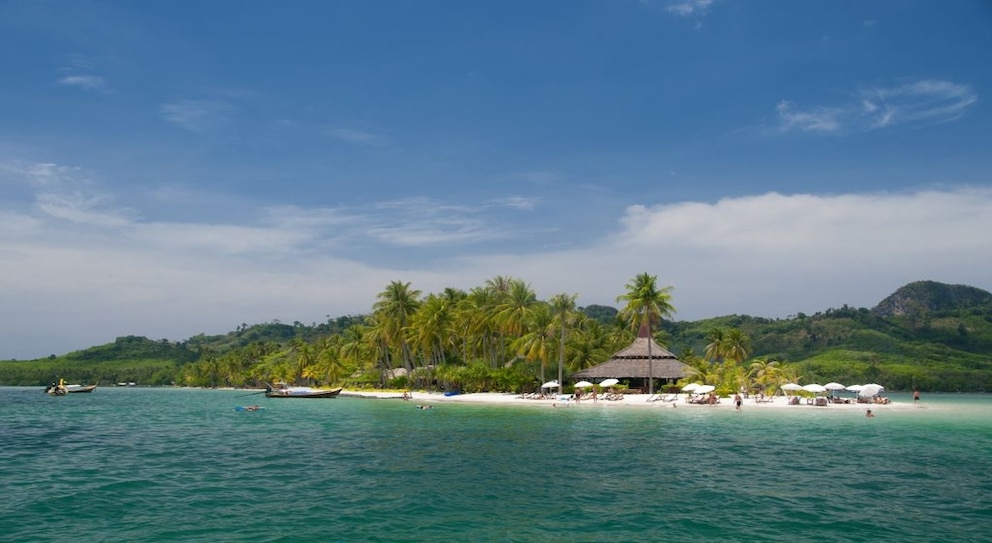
{"x": 924, "y": 297}
{"x": 927, "y": 335}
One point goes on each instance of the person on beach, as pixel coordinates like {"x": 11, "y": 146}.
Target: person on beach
{"x": 869, "y": 414}
{"x": 406, "y": 396}
{"x": 738, "y": 401}
{"x": 916, "y": 396}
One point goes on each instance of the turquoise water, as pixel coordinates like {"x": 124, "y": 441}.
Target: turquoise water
{"x": 182, "y": 465}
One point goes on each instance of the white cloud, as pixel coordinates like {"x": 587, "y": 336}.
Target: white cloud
{"x": 351, "y": 135}
{"x": 767, "y": 255}
{"x": 516, "y": 202}
{"x": 86, "y": 82}
{"x": 689, "y": 8}
{"x": 816, "y": 120}
{"x": 197, "y": 115}
{"x": 914, "y": 103}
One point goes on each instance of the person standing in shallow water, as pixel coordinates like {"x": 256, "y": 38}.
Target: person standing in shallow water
{"x": 916, "y": 396}
{"x": 738, "y": 401}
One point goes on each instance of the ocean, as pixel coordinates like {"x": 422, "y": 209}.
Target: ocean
{"x": 150, "y": 465}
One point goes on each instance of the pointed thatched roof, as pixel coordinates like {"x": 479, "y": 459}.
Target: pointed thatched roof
{"x": 632, "y": 362}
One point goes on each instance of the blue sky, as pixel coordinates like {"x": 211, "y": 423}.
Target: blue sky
{"x": 175, "y": 168}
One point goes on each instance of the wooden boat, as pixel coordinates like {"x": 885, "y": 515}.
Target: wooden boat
{"x": 301, "y": 392}
{"x": 73, "y": 389}
{"x": 61, "y": 389}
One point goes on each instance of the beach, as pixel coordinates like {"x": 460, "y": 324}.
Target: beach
{"x": 631, "y": 401}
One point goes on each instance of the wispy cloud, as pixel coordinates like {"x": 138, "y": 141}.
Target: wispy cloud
{"x": 689, "y": 8}
{"x": 418, "y": 222}
{"x": 913, "y": 103}
{"x": 68, "y": 194}
{"x": 351, "y": 135}
{"x": 920, "y": 102}
{"x": 85, "y": 82}
{"x": 197, "y": 115}
{"x": 516, "y": 202}
{"x": 79, "y": 72}
{"x": 814, "y": 120}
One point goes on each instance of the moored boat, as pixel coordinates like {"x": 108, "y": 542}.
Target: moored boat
{"x": 301, "y": 392}
{"x": 61, "y": 389}
{"x": 72, "y": 389}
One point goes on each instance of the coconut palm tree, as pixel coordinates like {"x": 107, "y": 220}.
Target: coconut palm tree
{"x": 394, "y": 308}
{"x": 736, "y": 346}
{"x": 539, "y": 341}
{"x": 646, "y": 304}
{"x": 515, "y": 309}
{"x": 563, "y": 309}
{"x": 764, "y": 374}
{"x": 715, "y": 347}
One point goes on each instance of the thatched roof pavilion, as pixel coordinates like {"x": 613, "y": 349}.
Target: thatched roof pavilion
{"x": 632, "y": 363}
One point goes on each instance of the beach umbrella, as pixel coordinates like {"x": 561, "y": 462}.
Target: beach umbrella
{"x": 703, "y": 389}
{"x": 855, "y": 388}
{"x": 609, "y": 382}
{"x": 791, "y": 387}
{"x": 583, "y": 384}
{"x": 870, "y": 390}
{"x": 832, "y": 386}
{"x": 551, "y": 384}
{"x": 814, "y": 388}
{"x": 691, "y": 387}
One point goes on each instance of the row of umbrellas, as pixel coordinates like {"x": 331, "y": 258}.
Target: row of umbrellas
{"x": 868, "y": 390}
{"x": 583, "y": 384}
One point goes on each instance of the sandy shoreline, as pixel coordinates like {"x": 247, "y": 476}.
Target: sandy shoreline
{"x": 633, "y": 401}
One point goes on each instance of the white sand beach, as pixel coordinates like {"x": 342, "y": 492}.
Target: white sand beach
{"x": 633, "y": 401}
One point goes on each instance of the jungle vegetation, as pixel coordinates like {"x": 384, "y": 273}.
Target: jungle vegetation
{"x": 500, "y": 337}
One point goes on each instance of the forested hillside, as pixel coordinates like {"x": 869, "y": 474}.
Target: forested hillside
{"x": 926, "y": 335}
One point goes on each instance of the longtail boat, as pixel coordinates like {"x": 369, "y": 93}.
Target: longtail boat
{"x": 301, "y": 392}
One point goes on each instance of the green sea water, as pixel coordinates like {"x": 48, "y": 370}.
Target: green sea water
{"x": 131, "y": 464}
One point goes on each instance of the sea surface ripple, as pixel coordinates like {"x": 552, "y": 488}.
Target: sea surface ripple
{"x": 150, "y": 465}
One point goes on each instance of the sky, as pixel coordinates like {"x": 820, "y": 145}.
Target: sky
{"x": 175, "y": 168}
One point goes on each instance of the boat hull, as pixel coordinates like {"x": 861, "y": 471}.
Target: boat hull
{"x": 78, "y": 389}
{"x": 330, "y": 393}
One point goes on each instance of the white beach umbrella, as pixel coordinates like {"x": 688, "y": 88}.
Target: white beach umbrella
{"x": 870, "y": 390}
{"x": 791, "y": 387}
{"x": 855, "y": 388}
{"x": 703, "y": 389}
{"x": 583, "y": 384}
{"x": 609, "y": 382}
{"x": 690, "y": 387}
{"x": 551, "y": 384}
{"x": 832, "y": 386}
{"x": 814, "y": 388}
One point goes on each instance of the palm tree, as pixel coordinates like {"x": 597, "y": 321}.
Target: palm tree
{"x": 715, "y": 347}
{"x": 563, "y": 309}
{"x": 394, "y": 308}
{"x": 736, "y": 346}
{"x": 764, "y": 374}
{"x": 515, "y": 308}
{"x": 646, "y": 303}
{"x": 538, "y": 342}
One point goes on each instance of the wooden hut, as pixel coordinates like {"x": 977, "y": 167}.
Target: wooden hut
{"x": 631, "y": 364}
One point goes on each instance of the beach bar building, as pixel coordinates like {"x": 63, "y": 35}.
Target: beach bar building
{"x": 631, "y": 365}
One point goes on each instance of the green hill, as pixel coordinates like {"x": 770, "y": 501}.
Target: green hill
{"x": 926, "y": 335}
